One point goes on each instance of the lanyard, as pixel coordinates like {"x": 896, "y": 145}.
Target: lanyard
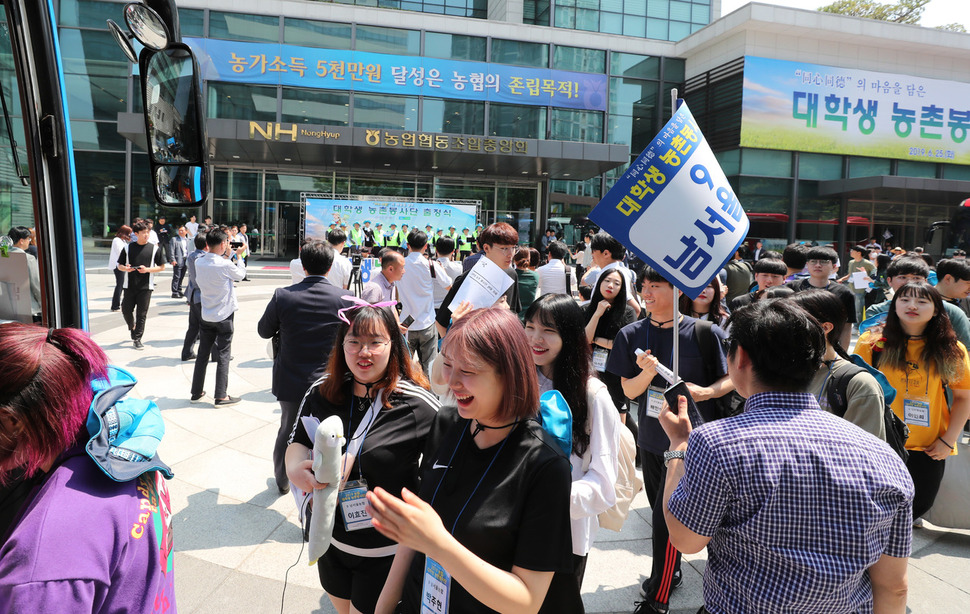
{"x": 926, "y": 393}
{"x": 818, "y": 397}
{"x": 356, "y": 443}
{"x": 676, "y": 330}
{"x": 480, "y": 480}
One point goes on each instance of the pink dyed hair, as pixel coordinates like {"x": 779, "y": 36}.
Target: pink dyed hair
{"x": 495, "y": 336}
{"x": 45, "y": 388}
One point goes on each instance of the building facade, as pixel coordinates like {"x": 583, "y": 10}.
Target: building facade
{"x": 532, "y": 108}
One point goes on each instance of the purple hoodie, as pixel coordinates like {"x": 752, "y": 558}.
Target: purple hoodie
{"x": 86, "y": 543}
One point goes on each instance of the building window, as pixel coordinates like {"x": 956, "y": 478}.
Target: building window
{"x": 388, "y": 40}
{"x": 515, "y": 120}
{"x": 388, "y": 112}
{"x": 236, "y": 101}
{"x": 579, "y": 59}
{"x": 454, "y": 46}
{"x": 243, "y": 27}
{"x": 659, "y": 19}
{"x": 569, "y": 125}
{"x": 820, "y": 167}
{"x": 89, "y": 13}
{"x": 323, "y": 34}
{"x": 535, "y": 12}
{"x": 301, "y": 106}
{"x": 454, "y": 116}
{"x": 192, "y": 22}
{"x": 766, "y": 163}
{"x": 867, "y": 167}
{"x": 520, "y": 53}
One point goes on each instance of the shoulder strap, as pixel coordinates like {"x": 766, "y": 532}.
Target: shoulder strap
{"x": 569, "y": 282}
{"x": 836, "y": 392}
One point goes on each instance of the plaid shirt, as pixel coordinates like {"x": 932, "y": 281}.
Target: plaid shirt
{"x": 799, "y": 504}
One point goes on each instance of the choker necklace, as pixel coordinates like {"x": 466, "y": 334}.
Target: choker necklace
{"x": 366, "y": 403}
{"x": 481, "y": 427}
{"x": 658, "y": 323}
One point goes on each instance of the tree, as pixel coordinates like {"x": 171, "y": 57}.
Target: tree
{"x": 904, "y": 11}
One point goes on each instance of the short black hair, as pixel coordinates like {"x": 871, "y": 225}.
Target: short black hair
{"x": 771, "y": 266}
{"x": 859, "y": 248}
{"x": 822, "y": 253}
{"x": 417, "y": 239}
{"x": 649, "y": 274}
{"x": 200, "y": 240}
{"x": 557, "y": 250}
{"x": 444, "y": 245}
{"x": 215, "y": 237}
{"x": 604, "y": 242}
{"x": 908, "y": 265}
{"x": 795, "y": 256}
{"x": 825, "y": 307}
{"x": 785, "y": 343}
{"x": 317, "y": 257}
{"x": 19, "y": 233}
{"x": 958, "y": 269}
{"x": 336, "y": 237}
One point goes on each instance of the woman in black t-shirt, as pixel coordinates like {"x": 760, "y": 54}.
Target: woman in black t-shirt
{"x": 490, "y": 529}
{"x": 606, "y": 313}
{"x": 372, "y": 385}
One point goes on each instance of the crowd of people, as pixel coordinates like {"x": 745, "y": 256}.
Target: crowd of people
{"x": 785, "y": 472}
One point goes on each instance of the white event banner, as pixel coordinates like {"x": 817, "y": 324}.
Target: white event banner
{"x": 675, "y": 209}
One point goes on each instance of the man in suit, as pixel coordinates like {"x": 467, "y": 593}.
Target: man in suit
{"x": 179, "y": 248}
{"x": 304, "y": 316}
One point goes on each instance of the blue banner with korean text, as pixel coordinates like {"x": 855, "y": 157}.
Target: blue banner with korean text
{"x": 675, "y": 209}
{"x": 361, "y": 71}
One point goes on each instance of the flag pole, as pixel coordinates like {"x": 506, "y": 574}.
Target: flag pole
{"x": 675, "y": 357}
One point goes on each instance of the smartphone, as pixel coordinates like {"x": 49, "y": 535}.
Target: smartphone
{"x": 406, "y": 322}
{"x": 235, "y": 244}
{"x": 678, "y": 389}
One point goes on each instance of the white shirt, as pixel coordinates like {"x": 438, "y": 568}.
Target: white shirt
{"x": 453, "y": 268}
{"x": 552, "y": 278}
{"x": 629, "y": 275}
{"x": 214, "y": 276}
{"x": 416, "y": 289}
{"x": 117, "y": 246}
{"x": 152, "y": 237}
{"x": 339, "y": 273}
{"x": 193, "y": 228}
{"x": 593, "y": 491}
{"x": 296, "y": 271}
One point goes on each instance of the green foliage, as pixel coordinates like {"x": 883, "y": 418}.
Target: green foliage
{"x": 905, "y": 11}
{"x": 952, "y": 27}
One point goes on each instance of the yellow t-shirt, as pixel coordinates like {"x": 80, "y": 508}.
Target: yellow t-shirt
{"x": 919, "y": 383}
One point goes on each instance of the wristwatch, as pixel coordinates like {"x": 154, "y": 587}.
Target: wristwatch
{"x": 672, "y": 454}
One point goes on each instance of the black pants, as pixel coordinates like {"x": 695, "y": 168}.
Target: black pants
{"x": 119, "y": 288}
{"x": 666, "y": 558}
{"x": 219, "y": 336}
{"x": 136, "y": 300}
{"x": 288, "y": 409}
{"x": 178, "y": 274}
{"x": 927, "y": 475}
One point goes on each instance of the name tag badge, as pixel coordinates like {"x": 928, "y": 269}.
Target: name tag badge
{"x": 599, "y": 359}
{"x": 916, "y": 412}
{"x": 655, "y": 402}
{"x": 436, "y": 588}
{"x": 352, "y": 500}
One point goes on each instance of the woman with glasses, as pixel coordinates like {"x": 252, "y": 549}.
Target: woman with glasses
{"x": 387, "y": 411}
{"x": 489, "y": 529}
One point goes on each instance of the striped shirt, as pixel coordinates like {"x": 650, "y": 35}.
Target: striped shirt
{"x": 799, "y": 504}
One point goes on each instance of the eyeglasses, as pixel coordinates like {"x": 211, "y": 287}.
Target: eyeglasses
{"x": 506, "y": 249}
{"x": 353, "y": 346}
{"x": 819, "y": 262}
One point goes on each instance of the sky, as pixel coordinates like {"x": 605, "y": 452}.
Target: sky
{"x": 936, "y": 13}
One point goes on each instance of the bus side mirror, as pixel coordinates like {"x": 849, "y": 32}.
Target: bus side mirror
{"x": 174, "y": 125}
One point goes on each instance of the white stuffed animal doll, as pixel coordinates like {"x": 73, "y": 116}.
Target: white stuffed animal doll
{"x": 327, "y": 444}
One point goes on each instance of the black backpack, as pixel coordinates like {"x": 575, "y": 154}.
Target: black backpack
{"x": 896, "y": 430}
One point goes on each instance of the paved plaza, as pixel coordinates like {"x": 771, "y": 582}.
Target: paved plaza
{"x": 236, "y": 538}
